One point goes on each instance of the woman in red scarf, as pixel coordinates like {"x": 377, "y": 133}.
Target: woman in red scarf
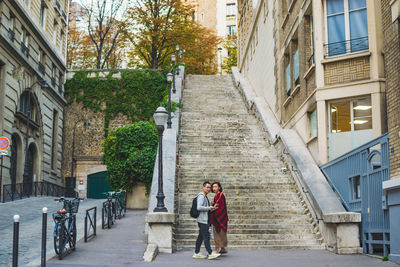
{"x": 219, "y": 219}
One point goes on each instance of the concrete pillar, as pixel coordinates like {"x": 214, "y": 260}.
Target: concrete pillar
{"x": 160, "y": 230}
{"x": 319, "y": 22}
{"x": 322, "y": 132}
{"x": 393, "y": 191}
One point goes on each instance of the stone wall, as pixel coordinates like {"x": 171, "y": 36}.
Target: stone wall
{"x": 88, "y": 139}
{"x": 391, "y": 31}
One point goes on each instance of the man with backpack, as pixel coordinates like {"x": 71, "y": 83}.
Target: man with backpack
{"x": 201, "y": 211}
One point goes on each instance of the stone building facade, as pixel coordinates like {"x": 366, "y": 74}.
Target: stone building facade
{"x": 32, "y": 50}
{"x": 330, "y": 84}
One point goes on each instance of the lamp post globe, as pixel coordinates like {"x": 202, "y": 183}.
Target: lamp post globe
{"x": 160, "y": 118}
{"x": 169, "y": 80}
{"x": 177, "y": 59}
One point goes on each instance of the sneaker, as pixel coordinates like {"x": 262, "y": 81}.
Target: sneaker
{"x": 198, "y": 256}
{"x": 213, "y": 255}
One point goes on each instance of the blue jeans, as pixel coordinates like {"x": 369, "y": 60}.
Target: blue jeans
{"x": 204, "y": 235}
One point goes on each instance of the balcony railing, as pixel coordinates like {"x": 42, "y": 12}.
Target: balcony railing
{"x": 60, "y": 89}
{"x": 346, "y": 47}
{"x": 24, "y": 50}
{"x": 41, "y": 68}
{"x": 11, "y": 35}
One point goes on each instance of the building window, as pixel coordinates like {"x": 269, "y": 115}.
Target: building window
{"x": 54, "y": 141}
{"x": 25, "y": 42}
{"x": 42, "y": 61}
{"x": 296, "y": 67}
{"x": 353, "y": 115}
{"x": 53, "y": 75}
{"x": 11, "y": 32}
{"x": 42, "y": 17}
{"x": 355, "y": 186}
{"x": 55, "y": 27}
{"x": 313, "y": 123}
{"x": 231, "y": 29}
{"x": 347, "y": 26}
{"x": 288, "y": 78}
{"x": 231, "y": 10}
{"x": 61, "y": 40}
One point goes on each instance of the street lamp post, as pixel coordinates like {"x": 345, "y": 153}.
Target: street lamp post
{"x": 160, "y": 117}
{"x": 220, "y": 56}
{"x": 169, "y": 80}
{"x": 177, "y": 59}
{"x": 173, "y": 58}
{"x": 25, "y": 175}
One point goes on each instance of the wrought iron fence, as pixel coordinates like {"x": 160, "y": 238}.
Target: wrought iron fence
{"x": 346, "y": 47}
{"x": 16, "y": 191}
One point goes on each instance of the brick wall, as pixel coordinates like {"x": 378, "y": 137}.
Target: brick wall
{"x": 347, "y": 70}
{"x": 392, "y": 70}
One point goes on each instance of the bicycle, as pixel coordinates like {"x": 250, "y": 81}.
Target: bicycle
{"x": 108, "y": 211}
{"x": 65, "y": 235}
{"x": 120, "y": 202}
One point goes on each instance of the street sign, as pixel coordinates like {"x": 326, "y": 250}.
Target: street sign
{"x": 80, "y": 181}
{"x": 4, "y": 143}
{"x": 3, "y": 152}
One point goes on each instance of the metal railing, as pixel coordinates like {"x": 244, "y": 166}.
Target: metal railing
{"x": 90, "y": 223}
{"x": 16, "y": 191}
{"x": 346, "y": 47}
{"x": 24, "y": 50}
{"x": 11, "y": 35}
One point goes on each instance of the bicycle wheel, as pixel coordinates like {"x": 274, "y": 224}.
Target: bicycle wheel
{"x": 73, "y": 233}
{"x": 117, "y": 210}
{"x": 57, "y": 238}
{"x": 104, "y": 217}
{"x": 109, "y": 216}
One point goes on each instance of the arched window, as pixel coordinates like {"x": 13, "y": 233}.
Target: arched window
{"x": 27, "y": 105}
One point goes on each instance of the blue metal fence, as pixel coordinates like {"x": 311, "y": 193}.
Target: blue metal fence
{"x": 357, "y": 178}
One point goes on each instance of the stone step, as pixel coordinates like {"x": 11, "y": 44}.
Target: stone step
{"x": 266, "y": 247}
{"x": 233, "y": 230}
{"x": 260, "y": 242}
{"x": 254, "y": 236}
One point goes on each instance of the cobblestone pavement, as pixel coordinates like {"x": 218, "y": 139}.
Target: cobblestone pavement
{"x": 30, "y": 211}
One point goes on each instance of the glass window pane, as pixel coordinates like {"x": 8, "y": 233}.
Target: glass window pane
{"x": 358, "y": 30}
{"x": 313, "y": 123}
{"x": 334, "y": 6}
{"x": 296, "y": 65}
{"x": 336, "y": 33}
{"x": 362, "y": 123}
{"x": 340, "y": 117}
{"x": 288, "y": 81}
{"x": 362, "y": 108}
{"x": 354, "y": 4}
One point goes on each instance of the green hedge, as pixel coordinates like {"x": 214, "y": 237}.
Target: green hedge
{"x": 130, "y": 153}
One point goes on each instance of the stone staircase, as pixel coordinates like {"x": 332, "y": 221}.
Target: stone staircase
{"x": 221, "y": 141}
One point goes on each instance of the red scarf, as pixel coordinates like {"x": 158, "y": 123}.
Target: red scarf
{"x": 219, "y": 217}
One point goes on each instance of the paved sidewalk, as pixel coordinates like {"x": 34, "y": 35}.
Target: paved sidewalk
{"x": 122, "y": 245}
{"x": 30, "y": 234}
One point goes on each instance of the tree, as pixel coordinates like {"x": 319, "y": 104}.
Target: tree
{"x": 81, "y": 53}
{"x": 103, "y": 29}
{"x": 231, "y": 60}
{"x": 129, "y": 153}
{"x": 154, "y": 27}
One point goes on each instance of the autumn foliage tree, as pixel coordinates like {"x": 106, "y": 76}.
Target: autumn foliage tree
{"x": 230, "y": 61}
{"x": 154, "y": 27}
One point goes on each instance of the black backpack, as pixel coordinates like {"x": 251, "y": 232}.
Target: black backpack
{"x": 194, "y": 213}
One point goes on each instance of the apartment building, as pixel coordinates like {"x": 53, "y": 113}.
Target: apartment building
{"x": 32, "y": 64}
{"x": 328, "y": 67}
{"x": 219, "y": 16}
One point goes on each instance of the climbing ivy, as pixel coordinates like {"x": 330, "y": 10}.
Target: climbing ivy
{"x": 136, "y": 93}
{"x": 129, "y": 153}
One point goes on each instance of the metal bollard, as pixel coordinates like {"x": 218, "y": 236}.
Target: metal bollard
{"x": 15, "y": 241}
{"x": 44, "y": 232}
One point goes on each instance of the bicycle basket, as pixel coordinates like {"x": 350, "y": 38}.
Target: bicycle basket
{"x": 75, "y": 205}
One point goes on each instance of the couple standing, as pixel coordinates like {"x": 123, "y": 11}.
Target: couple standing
{"x": 215, "y": 214}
